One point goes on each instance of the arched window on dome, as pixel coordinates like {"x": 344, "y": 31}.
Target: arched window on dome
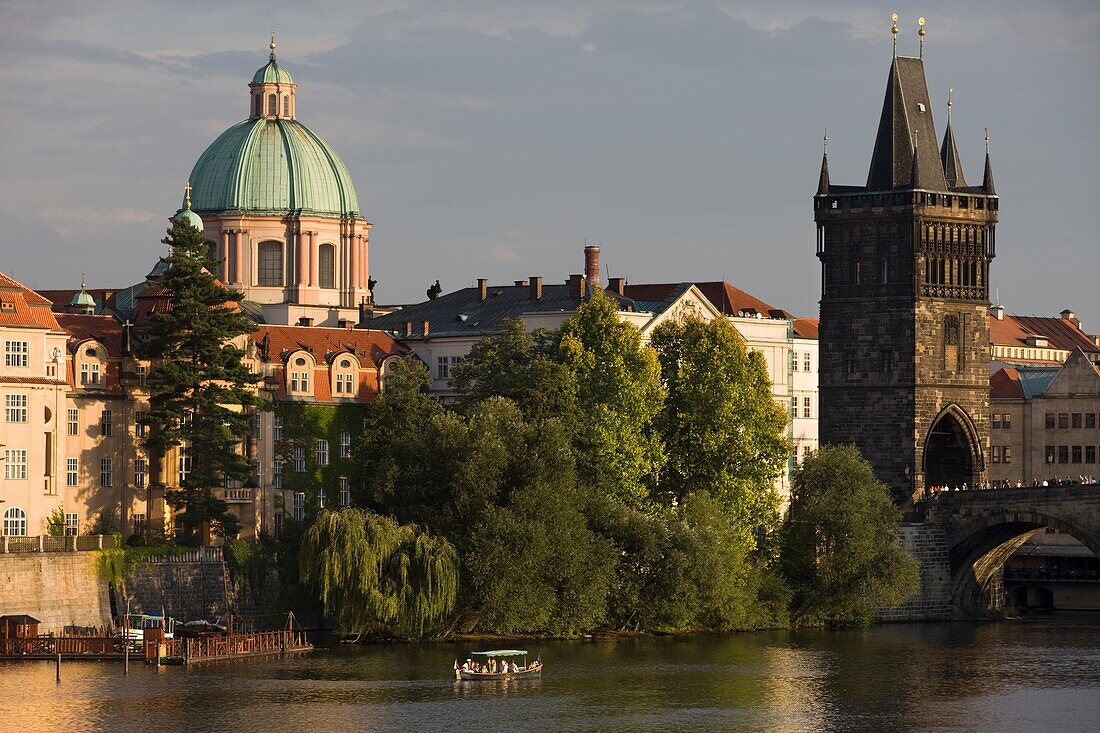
{"x": 258, "y": 107}
{"x": 270, "y": 264}
{"x": 286, "y": 105}
{"x": 272, "y": 102}
{"x": 327, "y": 262}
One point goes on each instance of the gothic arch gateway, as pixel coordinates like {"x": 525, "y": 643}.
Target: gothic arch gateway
{"x": 952, "y": 450}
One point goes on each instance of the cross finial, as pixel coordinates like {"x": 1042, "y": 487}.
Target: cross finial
{"x": 894, "y": 31}
{"x": 187, "y": 195}
{"x": 920, "y": 22}
{"x": 950, "y": 91}
{"x": 272, "y": 44}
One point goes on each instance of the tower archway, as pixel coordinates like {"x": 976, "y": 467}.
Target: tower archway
{"x": 952, "y": 450}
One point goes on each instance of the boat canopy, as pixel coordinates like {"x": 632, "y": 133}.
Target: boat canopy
{"x": 502, "y": 653}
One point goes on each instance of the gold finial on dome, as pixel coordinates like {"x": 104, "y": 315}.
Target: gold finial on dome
{"x": 272, "y": 44}
{"x": 920, "y": 22}
{"x": 894, "y": 31}
{"x": 187, "y": 195}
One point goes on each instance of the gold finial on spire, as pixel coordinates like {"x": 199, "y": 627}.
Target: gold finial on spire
{"x": 987, "y": 141}
{"x": 920, "y": 22}
{"x": 187, "y": 195}
{"x": 915, "y": 133}
{"x": 83, "y": 275}
{"x": 894, "y": 31}
{"x": 272, "y": 44}
{"x": 950, "y": 91}
{"x": 825, "y": 140}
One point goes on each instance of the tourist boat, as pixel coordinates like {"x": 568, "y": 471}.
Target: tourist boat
{"x": 500, "y": 657}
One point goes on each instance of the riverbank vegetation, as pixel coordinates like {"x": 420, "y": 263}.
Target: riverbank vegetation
{"x": 585, "y": 480}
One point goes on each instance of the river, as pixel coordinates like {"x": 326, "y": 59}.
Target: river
{"x": 1033, "y": 675}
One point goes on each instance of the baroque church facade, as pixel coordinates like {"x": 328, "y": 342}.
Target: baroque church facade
{"x": 904, "y": 328}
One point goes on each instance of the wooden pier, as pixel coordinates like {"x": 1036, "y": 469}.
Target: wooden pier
{"x": 69, "y": 648}
{"x": 234, "y": 646}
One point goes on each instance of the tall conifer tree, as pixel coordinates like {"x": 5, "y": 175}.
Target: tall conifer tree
{"x": 200, "y": 387}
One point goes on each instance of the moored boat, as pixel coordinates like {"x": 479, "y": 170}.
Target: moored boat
{"x": 498, "y": 664}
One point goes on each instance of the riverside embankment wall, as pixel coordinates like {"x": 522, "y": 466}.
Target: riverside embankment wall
{"x": 185, "y": 589}
{"x": 58, "y": 588}
{"x": 928, "y": 544}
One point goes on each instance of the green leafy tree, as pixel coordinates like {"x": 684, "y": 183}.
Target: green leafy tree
{"x": 522, "y": 367}
{"x": 841, "y": 553}
{"x": 200, "y": 387}
{"x": 377, "y": 576}
{"x": 723, "y": 432}
{"x": 619, "y": 393}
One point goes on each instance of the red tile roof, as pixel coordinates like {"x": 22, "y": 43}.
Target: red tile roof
{"x": 806, "y": 328}
{"x": 21, "y": 307}
{"x": 370, "y": 345}
{"x": 1059, "y": 333}
{"x": 725, "y": 297}
{"x": 104, "y": 329}
{"x": 1005, "y": 384}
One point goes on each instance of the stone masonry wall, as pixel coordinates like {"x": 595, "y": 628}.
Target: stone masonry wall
{"x": 928, "y": 544}
{"x": 185, "y": 590}
{"x": 57, "y": 588}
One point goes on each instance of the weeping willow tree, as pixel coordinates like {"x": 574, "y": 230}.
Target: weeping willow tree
{"x": 375, "y": 576}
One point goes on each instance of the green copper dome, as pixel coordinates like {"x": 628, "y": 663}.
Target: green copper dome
{"x": 272, "y": 73}
{"x": 272, "y": 167}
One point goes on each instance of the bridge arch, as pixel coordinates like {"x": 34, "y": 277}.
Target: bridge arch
{"x": 979, "y": 546}
{"x": 952, "y": 449}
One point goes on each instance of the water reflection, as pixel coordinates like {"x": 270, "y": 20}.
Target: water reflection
{"x": 1011, "y": 676}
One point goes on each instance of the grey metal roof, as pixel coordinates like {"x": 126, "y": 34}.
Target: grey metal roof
{"x": 463, "y": 313}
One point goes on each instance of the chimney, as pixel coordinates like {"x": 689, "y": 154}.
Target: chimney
{"x": 364, "y": 312}
{"x": 617, "y": 285}
{"x": 482, "y": 289}
{"x": 424, "y": 327}
{"x": 998, "y": 312}
{"x": 1068, "y": 315}
{"x": 592, "y": 266}
{"x": 536, "y": 287}
{"x": 408, "y": 328}
{"x": 347, "y": 324}
{"x": 305, "y": 321}
{"x": 520, "y": 283}
{"x": 576, "y": 286}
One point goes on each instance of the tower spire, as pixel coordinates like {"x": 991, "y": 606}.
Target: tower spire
{"x": 987, "y": 180}
{"x": 949, "y": 152}
{"x": 823, "y": 180}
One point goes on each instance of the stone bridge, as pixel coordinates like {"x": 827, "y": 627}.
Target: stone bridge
{"x": 983, "y": 528}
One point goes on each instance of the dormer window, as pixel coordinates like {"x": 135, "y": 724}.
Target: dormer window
{"x": 300, "y": 370}
{"x": 344, "y": 370}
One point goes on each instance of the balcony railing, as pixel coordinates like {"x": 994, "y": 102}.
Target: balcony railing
{"x": 238, "y": 496}
{"x": 49, "y": 543}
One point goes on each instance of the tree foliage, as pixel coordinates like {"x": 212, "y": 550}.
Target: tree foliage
{"x": 723, "y": 432}
{"x": 376, "y": 576}
{"x": 522, "y": 367}
{"x": 619, "y": 392}
{"x": 841, "y": 553}
{"x": 199, "y": 386}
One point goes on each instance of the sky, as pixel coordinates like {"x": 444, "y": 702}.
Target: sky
{"x": 492, "y": 139}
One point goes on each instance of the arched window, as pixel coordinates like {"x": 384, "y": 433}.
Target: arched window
{"x": 258, "y": 107}
{"x": 15, "y": 522}
{"x": 327, "y": 263}
{"x": 286, "y": 106}
{"x": 270, "y": 264}
{"x": 212, "y": 253}
{"x": 272, "y": 101}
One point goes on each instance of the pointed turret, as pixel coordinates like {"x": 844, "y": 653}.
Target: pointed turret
{"x": 949, "y": 153}
{"x": 905, "y": 109}
{"x": 823, "y": 180}
{"x": 987, "y": 179}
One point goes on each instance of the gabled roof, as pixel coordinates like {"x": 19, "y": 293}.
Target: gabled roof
{"x": 104, "y": 329}
{"x": 463, "y": 313}
{"x": 1059, "y": 333}
{"x": 906, "y": 124}
{"x": 1005, "y": 384}
{"x": 371, "y": 346}
{"x": 21, "y": 307}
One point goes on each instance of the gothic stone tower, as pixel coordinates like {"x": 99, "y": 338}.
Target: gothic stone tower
{"x": 905, "y": 301}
